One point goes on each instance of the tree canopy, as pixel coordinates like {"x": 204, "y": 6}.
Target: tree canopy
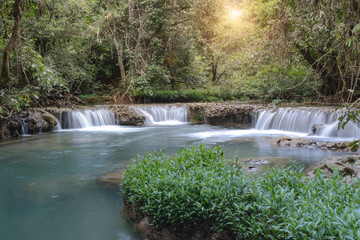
{"x": 245, "y": 49}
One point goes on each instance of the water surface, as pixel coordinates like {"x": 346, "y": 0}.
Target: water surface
{"x": 48, "y": 187}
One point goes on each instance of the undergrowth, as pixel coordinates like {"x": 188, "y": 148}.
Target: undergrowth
{"x": 197, "y": 188}
{"x": 188, "y": 95}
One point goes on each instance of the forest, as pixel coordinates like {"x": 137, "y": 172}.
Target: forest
{"x": 255, "y": 143}
{"x": 55, "y": 51}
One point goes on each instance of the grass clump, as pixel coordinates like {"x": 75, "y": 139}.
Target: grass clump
{"x": 198, "y": 189}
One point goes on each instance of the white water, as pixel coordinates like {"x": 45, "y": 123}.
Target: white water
{"x": 301, "y": 120}
{"x": 86, "y": 118}
{"x": 164, "y": 114}
{"x": 293, "y": 122}
{"x": 297, "y": 122}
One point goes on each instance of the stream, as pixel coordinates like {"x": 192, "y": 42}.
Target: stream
{"x": 48, "y": 182}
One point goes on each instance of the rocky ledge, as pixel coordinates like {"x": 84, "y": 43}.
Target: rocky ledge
{"x": 223, "y": 114}
{"x": 127, "y": 115}
{"x": 348, "y": 166}
{"x": 27, "y": 122}
{"x": 306, "y": 142}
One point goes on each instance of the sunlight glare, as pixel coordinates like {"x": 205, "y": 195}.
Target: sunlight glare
{"x": 235, "y": 13}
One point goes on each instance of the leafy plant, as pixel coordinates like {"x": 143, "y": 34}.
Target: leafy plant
{"x": 350, "y": 114}
{"x": 197, "y": 188}
{"x": 15, "y": 101}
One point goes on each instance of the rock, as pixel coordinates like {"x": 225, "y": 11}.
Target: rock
{"x": 127, "y": 115}
{"x": 259, "y": 165}
{"x": 196, "y": 112}
{"x": 50, "y": 120}
{"x": 344, "y": 169}
{"x": 305, "y": 142}
{"x": 316, "y": 127}
{"x": 299, "y": 142}
{"x": 111, "y": 179}
{"x": 257, "y": 161}
{"x": 229, "y": 115}
{"x": 223, "y": 114}
{"x": 348, "y": 166}
{"x": 343, "y": 145}
{"x": 40, "y": 121}
{"x": 28, "y": 122}
{"x": 9, "y": 128}
{"x": 281, "y": 140}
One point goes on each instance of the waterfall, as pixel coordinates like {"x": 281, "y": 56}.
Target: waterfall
{"x": 24, "y": 125}
{"x": 86, "y": 118}
{"x": 314, "y": 121}
{"x": 164, "y": 114}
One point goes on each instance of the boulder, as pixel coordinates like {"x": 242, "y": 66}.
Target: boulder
{"x": 316, "y": 127}
{"x": 27, "y": 122}
{"x": 36, "y": 121}
{"x": 9, "y": 128}
{"x": 40, "y": 121}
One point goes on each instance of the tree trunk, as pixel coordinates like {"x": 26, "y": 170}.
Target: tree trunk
{"x": 214, "y": 69}
{"x": 119, "y": 48}
{"x": 15, "y": 38}
{"x": 330, "y": 75}
{"x": 119, "y": 51}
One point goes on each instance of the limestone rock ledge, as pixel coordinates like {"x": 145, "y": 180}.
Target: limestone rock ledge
{"x": 127, "y": 115}
{"x": 223, "y": 114}
{"x": 28, "y": 121}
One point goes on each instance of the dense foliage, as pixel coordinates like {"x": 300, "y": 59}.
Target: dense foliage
{"x": 257, "y": 49}
{"x": 198, "y": 189}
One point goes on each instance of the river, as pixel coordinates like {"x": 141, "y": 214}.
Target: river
{"x": 48, "y": 182}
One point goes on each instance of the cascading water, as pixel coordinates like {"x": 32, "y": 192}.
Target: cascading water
{"x": 86, "y": 118}
{"x": 164, "y": 114}
{"x": 316, "y": 121}
{"x": 24, "y": 126}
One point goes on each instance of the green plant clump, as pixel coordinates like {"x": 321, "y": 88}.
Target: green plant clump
{"x": 188, "y": 95}
{"x": 198, "y": 189}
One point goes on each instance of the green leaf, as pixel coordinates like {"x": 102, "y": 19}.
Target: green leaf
{"x": 356, "y": 29}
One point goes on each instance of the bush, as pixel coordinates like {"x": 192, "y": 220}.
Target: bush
{"x": 197, "y": 188}
{"x": 276, "y": 81}
{"x": 188, "y": 95}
